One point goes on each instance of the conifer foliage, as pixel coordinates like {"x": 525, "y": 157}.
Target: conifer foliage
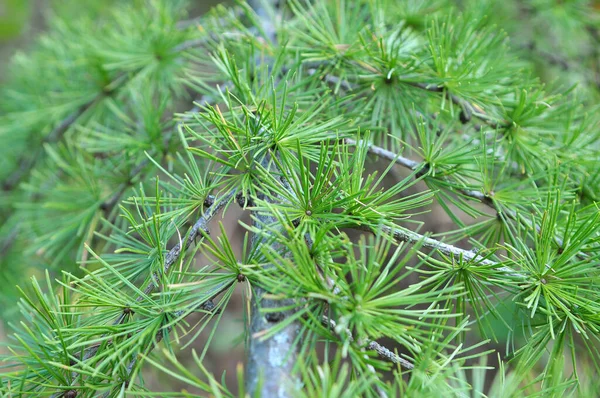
{"x": 336, "y": 126}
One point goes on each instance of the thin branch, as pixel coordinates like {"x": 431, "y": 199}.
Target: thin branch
{"x": 405, "y": 235}
{"x": 413, "y": 165}
{"x": 468, "y": 110}
{"x": 173, "y": 254}
{"x": 207, "y": 306}
{"x": 381, "y": 350}
{"x": 384, "y": 153}
{"x": 477, "y": 195}
{"x": 200, "y": 225}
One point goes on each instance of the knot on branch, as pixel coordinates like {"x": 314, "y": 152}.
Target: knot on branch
{"x": 465, "y": 115}
{"x": 487, "y": 199}
{"x": 274, "y": 317}
{"x": 209, "y": 201}
{"x": 243, "y": 201}
{"x": 423, "y": 171}
{"x": 128, "y": 311}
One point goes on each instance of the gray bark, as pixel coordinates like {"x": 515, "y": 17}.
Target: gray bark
{"x": 270, "y": 363}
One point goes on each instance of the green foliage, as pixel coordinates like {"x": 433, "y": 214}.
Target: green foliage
{"x": 487, "y": 110}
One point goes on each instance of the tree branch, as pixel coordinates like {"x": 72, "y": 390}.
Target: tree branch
{"x": 468, "y": 110}
{"x": 207, "y": 306}
{"x": 200, "y": 225}
{"x": 270, "y": 361}
{"x": 411, "y": 237}
{"x": 170, "y": 258}
{"x": 372, "y": 345}
{"x": 477, "y": 195}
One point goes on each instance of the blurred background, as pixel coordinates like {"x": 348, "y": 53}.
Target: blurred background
{"x": 21, "y": 21}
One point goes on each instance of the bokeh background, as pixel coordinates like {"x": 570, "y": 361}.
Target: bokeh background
{"x": 21, "y": 21}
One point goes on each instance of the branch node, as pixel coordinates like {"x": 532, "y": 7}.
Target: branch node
{"x": 464, "y": 117}
{"x": 423, "y": 171}
{"x": 274, "y": 317}
{"x": 128, "y": 311}
{"x": 209, "y": 201}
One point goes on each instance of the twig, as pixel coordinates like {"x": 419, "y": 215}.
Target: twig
{"x": 170, "y": 258}
{"x": 467, "y": 108}
{"x": 384, "y": 153}
{"x": 411, "y": 237}
{"x": 200, "y": 225}
{"x": 413, "y": 165}
{"x": 381, "y": 350}
{"x": 408, "y": 236}
{"x": 208, "y": 306}
{"x": 478, "y": 195}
